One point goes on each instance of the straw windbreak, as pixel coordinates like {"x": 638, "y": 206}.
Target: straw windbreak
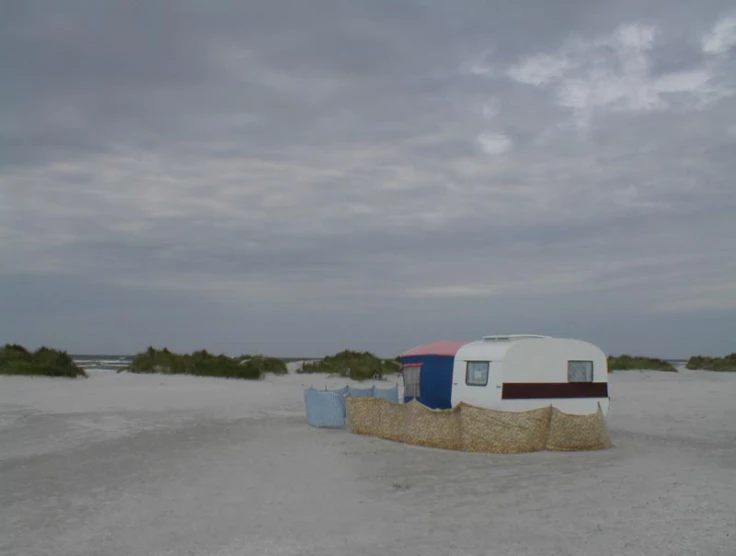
{"x": 476, "y": 429}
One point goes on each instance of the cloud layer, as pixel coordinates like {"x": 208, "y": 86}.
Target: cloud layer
{"x": 369, "y": 170}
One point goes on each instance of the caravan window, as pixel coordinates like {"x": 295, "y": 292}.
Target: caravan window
{"x": 476, "y": 373}
{"x": 412, "y": 381}
{"x": 580, "y": 371}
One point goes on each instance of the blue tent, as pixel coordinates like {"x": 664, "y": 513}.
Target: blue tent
{"x": 430, "y": 367}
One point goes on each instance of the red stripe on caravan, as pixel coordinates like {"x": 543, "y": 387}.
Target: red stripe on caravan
{"x": 553, "y": 390}
{"x": 411, "y": 365}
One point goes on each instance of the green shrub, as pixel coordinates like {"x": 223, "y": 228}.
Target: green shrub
{"x": 160, "y": 361}
{"x": 720, "y": 364}
{"x": 203, "y": 363}
{"x": 358, "y": 365}
{"x": 265, "y": 364}
{"x": 17, "y": 360}
{"x": 629, "y": 363}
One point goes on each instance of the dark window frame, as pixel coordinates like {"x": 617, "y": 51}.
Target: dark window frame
{"x": 467, "y": 373}
{"x": 592, "y": 371}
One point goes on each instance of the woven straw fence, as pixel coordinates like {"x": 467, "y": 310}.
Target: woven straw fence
{"x": 504, "y": 432}
{"x": 393, "y": 421}
{"x": 578, "y": 432}
{"x": 476, "y": 429}
{"x": 364, "y": 415}
{"x": 434, "y": 428}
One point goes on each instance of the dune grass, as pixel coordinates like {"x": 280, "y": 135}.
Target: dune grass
{"x": 17, "y": 360}
{"x": 203, "y": 363}
{"x": 725, "y": 364}
{"x": 630, "y": 363}
{"x": 263, "y": 363}
{"x": 357, "y": 365}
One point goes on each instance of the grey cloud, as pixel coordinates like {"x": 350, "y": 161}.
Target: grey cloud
{"x": 230, "y": 159}
{"x": 101, "y": 74}
{"x": 677, "y": 56}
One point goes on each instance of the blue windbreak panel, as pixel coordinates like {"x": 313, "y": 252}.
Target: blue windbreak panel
{"x": 390, "y": 394}
{"x": 325, "y": 408}
{"x": 435, "y": 380}
{"x": 360, "y": 392}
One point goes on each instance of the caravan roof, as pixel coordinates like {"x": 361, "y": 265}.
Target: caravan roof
{"x": 494, "y": 348}
{"x": 446, "y": 348}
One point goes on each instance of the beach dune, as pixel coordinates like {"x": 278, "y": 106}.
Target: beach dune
{"x": 121, "y": 464}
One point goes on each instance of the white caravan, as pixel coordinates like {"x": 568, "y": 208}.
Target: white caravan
{"x": 519, "y": 372}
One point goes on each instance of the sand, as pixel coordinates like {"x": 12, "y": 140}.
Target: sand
{"x": 162, "y": 465}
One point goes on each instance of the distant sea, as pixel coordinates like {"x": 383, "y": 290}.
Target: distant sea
{"x": 102, "y": 362}
{"x": 677, "y": 362}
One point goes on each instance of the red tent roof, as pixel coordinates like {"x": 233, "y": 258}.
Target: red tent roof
{"x": 449, "y": 348}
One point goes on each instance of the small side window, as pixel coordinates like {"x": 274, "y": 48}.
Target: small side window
{"x": 580, "y": 371}
{"x": 476, "y": 373}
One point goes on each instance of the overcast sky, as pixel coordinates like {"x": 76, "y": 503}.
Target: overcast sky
{"x": 301, "y": 177}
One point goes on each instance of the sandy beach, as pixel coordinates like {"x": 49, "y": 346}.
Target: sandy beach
{"x": 121, "y": 464}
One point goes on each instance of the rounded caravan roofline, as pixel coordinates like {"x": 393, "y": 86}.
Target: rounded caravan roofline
{"x": 512, "y": 337}
{"x": 494, "y": 347}
{"x": 451, "y": 347}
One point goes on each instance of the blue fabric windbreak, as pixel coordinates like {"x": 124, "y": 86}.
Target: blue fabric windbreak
{"x": 435, "y": 380}
{"x": 360, "y": 392}
{"x": 325, "y": 408}
{"x": 390, "y": 394}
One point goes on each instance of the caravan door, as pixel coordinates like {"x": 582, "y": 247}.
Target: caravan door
{"x": 412, "y": 381}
